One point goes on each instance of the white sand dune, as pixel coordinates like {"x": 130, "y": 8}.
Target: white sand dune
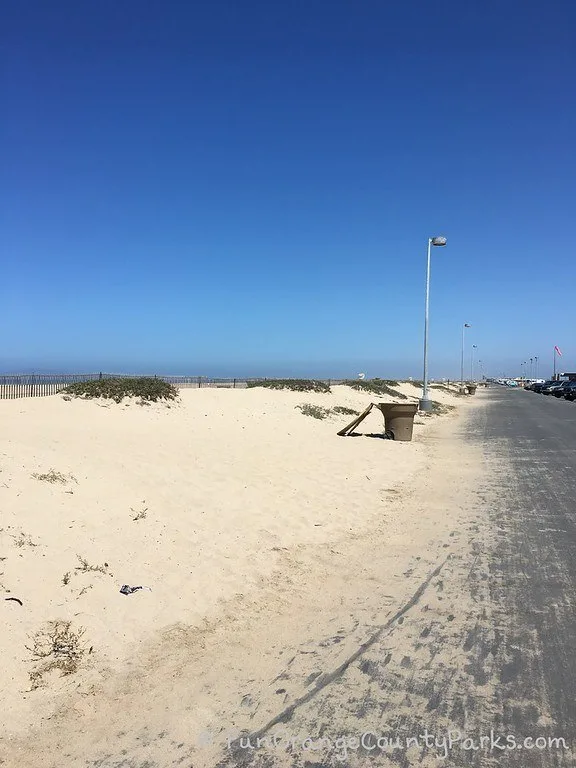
{"x": 223, "y": 483}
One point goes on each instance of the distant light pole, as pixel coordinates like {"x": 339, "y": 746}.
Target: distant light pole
{"x": 472, "y": 362}
{"x": 531, "y": 368}
{"x": 425, "y": 402}
{"x": 466, "y": 325}
{"x": 535, "y": 367}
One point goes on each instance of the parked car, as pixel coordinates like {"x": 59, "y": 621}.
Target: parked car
{"x": 556, "y": 388}
{"x": 550, "y": 387}
{"x": 561, "y": 390}
{"x": 539, "y": 386}
{"x": 570, "y": 390}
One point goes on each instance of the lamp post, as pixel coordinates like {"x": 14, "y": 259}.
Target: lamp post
{"x": 472, "y": 362}
{"x": 425, "y": 402}
{"x": 531, "y": 368}
{"x": 535, "y": 367}
{"x": 466, "y": 325}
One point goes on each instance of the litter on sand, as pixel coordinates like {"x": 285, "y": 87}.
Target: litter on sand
{"x": 127, "y": 590}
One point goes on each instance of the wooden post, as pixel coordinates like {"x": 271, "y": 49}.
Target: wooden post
{"x": 353, "y": 424}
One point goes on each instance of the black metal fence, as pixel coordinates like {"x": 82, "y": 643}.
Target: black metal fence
{"x": 40, "y": 385}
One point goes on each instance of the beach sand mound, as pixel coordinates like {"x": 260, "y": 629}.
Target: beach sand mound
{"x": 198, "y": 502}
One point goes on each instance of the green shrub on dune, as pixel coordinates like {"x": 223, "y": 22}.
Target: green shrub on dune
{"x": 448, "y": 390}
{"x": 316, "y": 411}
{"x": 376, "y": 387}
{"x": 344, "y": 410}
{"x": 118, "y": 387}
{"x": 295, "y": 385}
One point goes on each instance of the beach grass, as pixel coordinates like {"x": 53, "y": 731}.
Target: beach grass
{"x": 147, "y": 388}
{"x": 295, "y": 385}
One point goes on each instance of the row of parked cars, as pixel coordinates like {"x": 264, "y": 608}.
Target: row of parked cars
{"x": 566, "y": 389}
{"x": 507, "y": 382}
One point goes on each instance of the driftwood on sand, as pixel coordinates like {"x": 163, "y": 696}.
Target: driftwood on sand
{"x": 353, "y": 424}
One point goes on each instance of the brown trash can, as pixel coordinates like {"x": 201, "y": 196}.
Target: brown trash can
{"x": 471, "y": 389}
{"x": 399, "y": 419}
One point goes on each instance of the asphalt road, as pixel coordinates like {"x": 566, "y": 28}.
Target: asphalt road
{"x": 533, "y": 566}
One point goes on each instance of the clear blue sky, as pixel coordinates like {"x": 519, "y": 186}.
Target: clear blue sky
{"x": 237, "y": 188}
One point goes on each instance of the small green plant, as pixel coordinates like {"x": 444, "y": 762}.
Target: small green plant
{"x": 118, "y": 387}
{"x": 416, "y": 383}
{"x": 316, "y": 411}
{"x": 295, "y": 385}
{"x": 85, "y": 566}
{"x": 375, "y": 387}
{"x": 56, "y": 647}
{"x": 54, "y": 477}
{"x": 66, "y": 578}
{"x": 345, "y": 411}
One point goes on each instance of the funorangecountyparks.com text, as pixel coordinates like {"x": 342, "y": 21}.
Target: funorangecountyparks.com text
{"x": 371, "y": 742}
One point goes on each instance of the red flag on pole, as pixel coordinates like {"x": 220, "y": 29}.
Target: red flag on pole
{"x": 557, "y": 351}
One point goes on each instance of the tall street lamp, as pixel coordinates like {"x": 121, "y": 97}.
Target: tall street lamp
{"x": 466, "y": 325}
{"x": 425, "y": 402}
{"x": 535, "y": 367}
{"x": 472, "y": 362}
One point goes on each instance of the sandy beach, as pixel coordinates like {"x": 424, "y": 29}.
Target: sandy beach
{"x": 225, "y": 506}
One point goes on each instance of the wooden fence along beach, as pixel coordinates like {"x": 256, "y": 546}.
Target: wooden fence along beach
{"x": 40, "y": 385}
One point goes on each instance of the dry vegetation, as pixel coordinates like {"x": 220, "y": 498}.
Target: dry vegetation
{"x": 54, "y": 477}
{"x": 56, "y": 647}
{"x": 23, "y": 540}
{"x": 85, "y": 566}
